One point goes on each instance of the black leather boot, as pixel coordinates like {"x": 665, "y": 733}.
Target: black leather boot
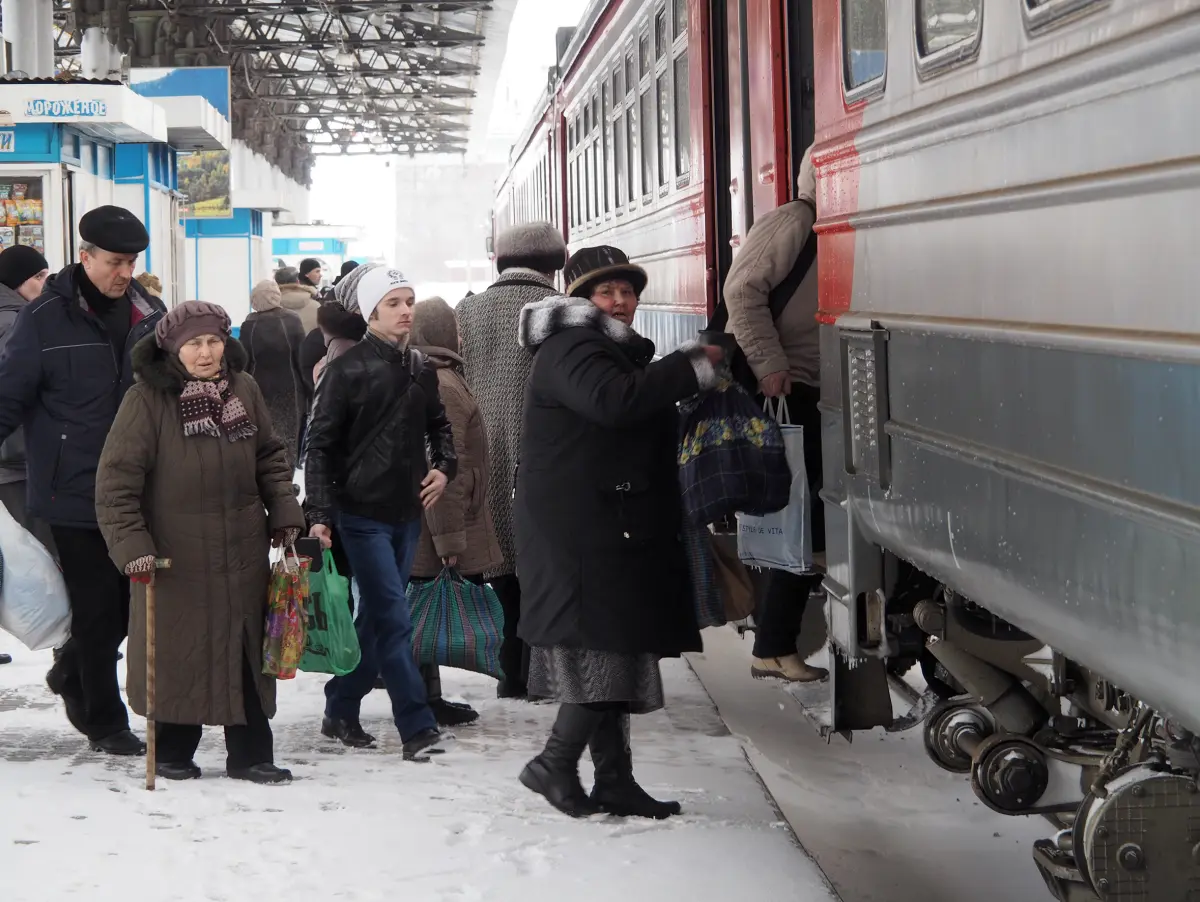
{"x": 554, "y": 774}
{"x": 616, "y": 792}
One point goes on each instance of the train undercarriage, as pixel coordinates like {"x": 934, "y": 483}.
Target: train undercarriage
{"x": 1037, "y": 734}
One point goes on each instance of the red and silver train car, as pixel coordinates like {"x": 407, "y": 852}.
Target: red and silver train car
{"x": 1010, "y": 365}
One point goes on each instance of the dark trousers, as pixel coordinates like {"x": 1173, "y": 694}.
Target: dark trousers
{"x": 514, "y": 653}
{"x": 99, "y": 595}
{"x": 785, "y": 595}
{"x": 246, "y": 744}
{"x": 381, "y": 556}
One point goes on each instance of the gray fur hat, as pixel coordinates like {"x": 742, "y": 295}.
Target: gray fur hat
{"x": 346, "y": 291}
{"x": 533, "y": 245}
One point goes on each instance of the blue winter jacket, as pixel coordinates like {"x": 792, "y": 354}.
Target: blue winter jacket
{"x": 61, "y": 380}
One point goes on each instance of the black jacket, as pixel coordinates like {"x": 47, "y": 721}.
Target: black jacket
{"x": 598, "y": 515}
{"x": 61, "y": 380}
{"x": 272, "y": 340}
{"x": 12, "y": 452}
{"x": 375, "y": 407}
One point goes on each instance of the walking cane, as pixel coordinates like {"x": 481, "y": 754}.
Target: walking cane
{"x": 151, "y": 733}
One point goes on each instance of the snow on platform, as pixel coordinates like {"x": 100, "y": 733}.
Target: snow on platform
{"x": 365, "y": 825}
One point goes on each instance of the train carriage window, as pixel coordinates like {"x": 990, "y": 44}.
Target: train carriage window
{"x": 683, "y": 126}
{"x": 646, "y": 142}
{"x": 644, "y": 55}
{"x": 606, "y": 144}
{"x": 619, "y": 161}
{"x": 630, "y": 151}
{"x": 681, "y": 18}
{"x": 1043, "y": 14}
{"x": 948, "y": 32}
{"x": 664, "y": 128}
{"x": 864, "y": 45}
{"x": 630, "y": 80}
{"x": 660, "y": 34}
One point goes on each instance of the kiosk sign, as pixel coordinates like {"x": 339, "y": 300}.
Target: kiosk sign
{"x": 66, "y": 109}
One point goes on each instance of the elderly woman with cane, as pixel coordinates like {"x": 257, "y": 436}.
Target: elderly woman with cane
{"x": 193, "y": 472}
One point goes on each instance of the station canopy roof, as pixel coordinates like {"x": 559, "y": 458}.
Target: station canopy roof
{"x": 322, "y": 76}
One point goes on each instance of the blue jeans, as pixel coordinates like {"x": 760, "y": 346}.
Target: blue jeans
{"x": 381, "y": 557}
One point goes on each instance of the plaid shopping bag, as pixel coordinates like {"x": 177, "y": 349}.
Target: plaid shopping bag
{"x": 456, "y": 623}
{"x": 732, "y": 457}
{"x": 710, "y": 606}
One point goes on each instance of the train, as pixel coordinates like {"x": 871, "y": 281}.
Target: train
{"x": 1006, "y": 197}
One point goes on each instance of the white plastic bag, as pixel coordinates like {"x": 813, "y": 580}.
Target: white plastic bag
{"x": 34, "y": 607}
{"x": 782, "y": 540}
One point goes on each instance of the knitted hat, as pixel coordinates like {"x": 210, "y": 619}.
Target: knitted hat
{"x": 20, "y": 263}
{"x": 308, "y": 264}
{"x": 288, "y": 275}
{"x": 806, "y": 180}
{"x": 533, "y": 245}
{"x": 114, "y": 229}
{"x": 590, "y": 266}
{"x": 375, "y": 285}
{"x": 188, "y": 320}
{"x": 265, "y": 296}
{"x": 346, "y": 292}
{"x": 434, "y": 325}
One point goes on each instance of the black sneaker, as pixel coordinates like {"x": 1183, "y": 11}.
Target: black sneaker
{"x": 5, "y": 659}
{"x": 347, "y": 732}
{"x": 426, "y": 743}
{"x": 453, "y": 714}
{"x": 122, "y": 743}
{"x": 182, "y": 770}
{"x": 263, "y": 774}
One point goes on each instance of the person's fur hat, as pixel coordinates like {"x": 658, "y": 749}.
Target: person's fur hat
{"x": 533, "y": 245}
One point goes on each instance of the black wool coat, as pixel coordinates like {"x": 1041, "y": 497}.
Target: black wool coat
{"x": 598, "y": 514}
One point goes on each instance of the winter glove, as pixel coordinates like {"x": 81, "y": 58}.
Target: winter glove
{"x": 141, "y": 570}
{"x": 285, "y": 537}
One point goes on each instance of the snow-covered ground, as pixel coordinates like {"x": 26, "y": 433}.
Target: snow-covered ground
{"x": 364, "y": 825}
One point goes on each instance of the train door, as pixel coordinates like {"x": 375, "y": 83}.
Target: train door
{"x": 802, "y": 126}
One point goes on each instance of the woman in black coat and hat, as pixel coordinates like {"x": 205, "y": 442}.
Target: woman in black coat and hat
{"x": 605, "y": 591}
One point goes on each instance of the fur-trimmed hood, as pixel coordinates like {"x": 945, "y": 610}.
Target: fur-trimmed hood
{"x": 541, "y": 319}
{"x": 163, "y": 372}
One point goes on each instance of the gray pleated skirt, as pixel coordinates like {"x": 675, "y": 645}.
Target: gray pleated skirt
{"x": 580, "y": 676}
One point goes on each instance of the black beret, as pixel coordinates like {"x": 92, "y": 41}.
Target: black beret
{"x": 114, "y": 229}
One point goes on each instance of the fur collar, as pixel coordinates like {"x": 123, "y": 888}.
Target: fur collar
{"x": 161, "y": 371}
{"x": 541, "y": 319}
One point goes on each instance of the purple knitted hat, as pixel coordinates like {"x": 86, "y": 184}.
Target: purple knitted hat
{"x": 189, "y": 319}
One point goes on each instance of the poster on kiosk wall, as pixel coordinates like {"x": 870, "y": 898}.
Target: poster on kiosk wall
{"x": 204, "y": 175}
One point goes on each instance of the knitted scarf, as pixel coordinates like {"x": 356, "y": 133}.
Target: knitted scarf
{"x": 204, "y": 404}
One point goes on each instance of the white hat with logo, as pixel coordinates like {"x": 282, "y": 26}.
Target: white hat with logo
{"x": 375, "y": 285}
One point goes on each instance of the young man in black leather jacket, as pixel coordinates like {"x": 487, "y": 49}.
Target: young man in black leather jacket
{"x": 376, "y": 407}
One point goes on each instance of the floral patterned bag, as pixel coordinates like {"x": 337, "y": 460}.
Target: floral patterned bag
{"x": 284, "y": 631}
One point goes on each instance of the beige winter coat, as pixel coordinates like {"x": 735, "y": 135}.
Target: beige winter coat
{"x": 302, "y": 301}
{"x": 209, "y": 505}
{"x": 792, "y": 342}
{"x": 460, "y": 524}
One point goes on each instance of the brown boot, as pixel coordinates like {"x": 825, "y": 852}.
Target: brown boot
{"x": 789, "y": 668}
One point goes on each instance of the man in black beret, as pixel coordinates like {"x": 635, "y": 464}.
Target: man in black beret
{"x": 63, "y": 374}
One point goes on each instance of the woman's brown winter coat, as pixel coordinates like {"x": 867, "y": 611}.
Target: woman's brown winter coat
{"x": 209, "y": 505}
{"x": 460, "y": 524}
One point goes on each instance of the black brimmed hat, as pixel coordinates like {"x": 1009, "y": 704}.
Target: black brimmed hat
{"x": 591, "y": 265}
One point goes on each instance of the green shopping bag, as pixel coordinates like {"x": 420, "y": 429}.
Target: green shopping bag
{"x": 331, "y": 645}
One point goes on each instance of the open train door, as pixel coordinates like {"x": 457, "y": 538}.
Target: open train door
{"x": 762, "y": 111}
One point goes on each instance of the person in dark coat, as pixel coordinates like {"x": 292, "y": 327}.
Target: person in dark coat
{"x": 23, "y": 274}
{"x": 496, "y": 370}
{"x": 272, "y": 337}
{"x": 193, "y": 471}
{"x": 605, "y": 587}
{"x": 63, "y": 375}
